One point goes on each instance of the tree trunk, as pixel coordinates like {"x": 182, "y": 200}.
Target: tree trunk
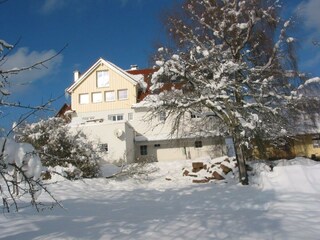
{"x": 243, "y": 175}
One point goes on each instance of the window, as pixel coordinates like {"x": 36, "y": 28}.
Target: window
{"x": 157, "y": 145}
{"x": 102, "y": 79}
{"x": 195, "y": 116}
{"x": 123, "y": 94}
{"x": 104, "y": 147}
{"x": 316, "y": 141}
{"x": 143, "y": 150}
{"x": 162, "y": 116}
{"x": 115, "y": 118}
{"x": 130, "y": 116}
{"x": 84, "y": 98}
{"x": 198, "y": 144}
{"x": 97, "y": 97}
{"x": 110, "y": 96}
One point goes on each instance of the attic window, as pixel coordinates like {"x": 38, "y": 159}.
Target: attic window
{"x": 102, "y": 79}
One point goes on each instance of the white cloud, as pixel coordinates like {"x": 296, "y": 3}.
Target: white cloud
{"x": 24, "y": 58}
{"x": 310, "y": 12}
{"x": 51, "y": 5}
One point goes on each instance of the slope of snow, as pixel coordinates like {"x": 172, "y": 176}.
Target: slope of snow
{"x": 162, "y": 204}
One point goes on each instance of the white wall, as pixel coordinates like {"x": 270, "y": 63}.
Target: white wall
{"x": 104, "y": 133}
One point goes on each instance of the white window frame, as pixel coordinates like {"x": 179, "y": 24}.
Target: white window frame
{"x": 84, "y": 98}
{"x": 121, "y": 97}
{"x": 95, "y": 98}
{"x": 130, "y": 116}
{"x": 103, "y": 79}
{"x": 109, "y": 100}
{"x": 116, "y": 117}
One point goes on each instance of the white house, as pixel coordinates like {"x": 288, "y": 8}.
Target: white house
{"x": 108, "y": 104}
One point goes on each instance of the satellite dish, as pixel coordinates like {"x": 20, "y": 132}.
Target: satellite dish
{"x": 118, "y": 133}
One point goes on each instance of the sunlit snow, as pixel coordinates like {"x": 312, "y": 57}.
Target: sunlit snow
{"x": 162, "y": 204}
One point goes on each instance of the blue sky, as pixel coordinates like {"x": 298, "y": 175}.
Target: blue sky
{"x": 124, "y": 32}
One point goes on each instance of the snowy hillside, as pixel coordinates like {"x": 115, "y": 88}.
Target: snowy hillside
{"x": 163, "y": 204}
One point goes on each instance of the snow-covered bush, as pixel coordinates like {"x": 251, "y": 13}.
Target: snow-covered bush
{"x": 58, "y": 146}
{"x": 20, "y": 170}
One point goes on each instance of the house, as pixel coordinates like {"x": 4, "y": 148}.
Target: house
{"x": 109, "y": 105}
{"x": 303, "y": 141}
{"x": 307, "y": 140}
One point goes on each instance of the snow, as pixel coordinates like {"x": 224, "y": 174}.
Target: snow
{"x": 162, "y": 204}
{"x": 22, "y": 155}
{"x": 313, "y": 80}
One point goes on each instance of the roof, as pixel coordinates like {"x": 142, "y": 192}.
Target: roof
{"x": 66, "y": 107}
{"x": 110, "y": 65}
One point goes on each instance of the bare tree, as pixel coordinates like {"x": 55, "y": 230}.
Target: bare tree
{"x": 20, "y": 166}
{"x": 234, "y": 59}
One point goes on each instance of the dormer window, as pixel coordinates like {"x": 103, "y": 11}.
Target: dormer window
{"x": 103, "y": 79}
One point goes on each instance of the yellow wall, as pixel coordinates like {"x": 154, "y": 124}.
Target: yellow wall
{"x": 88, "y": 85}
{"x": 303, "y": 146}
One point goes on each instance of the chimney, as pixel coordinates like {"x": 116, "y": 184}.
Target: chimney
{"x": 76, "y": 75}
{"x": 134, "y": 67}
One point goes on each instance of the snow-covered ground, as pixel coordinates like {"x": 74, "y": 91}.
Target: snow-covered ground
{"x": 279, "y": 204}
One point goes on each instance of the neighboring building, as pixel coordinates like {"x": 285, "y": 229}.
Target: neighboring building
{"x": 108, "y": 105}
{"x": 307, "y": 140}
{"x": 65, "y": 112}
{"x": 303, "y": 141}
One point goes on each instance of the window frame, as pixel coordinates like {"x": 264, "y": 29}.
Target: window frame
{"x": 130, "y": 116}
{"x": 195, "y": 116}
{"x": 116, "y": 117}
{"x": 118, "y": 92}
{"x": 316, "y": 141}
{"x": 92, "y": 98}
{"x": 114, "y": 96}
{"x": 107, "y": 80}
{"x": 143, "y": 150}
{"x": 82, "y": 95}
{"x": 198, "y": 144}
{"x": 104, "y": 147}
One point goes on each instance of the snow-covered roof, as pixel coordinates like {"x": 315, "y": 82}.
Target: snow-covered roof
{"x": 308, "y": 125}
{"x": 148, "y": 102}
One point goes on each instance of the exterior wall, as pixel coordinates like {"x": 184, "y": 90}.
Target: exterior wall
{"x": 180, "y": 149}
{"x": 149, "y": 126}
{"x": 119, "y": 148}
{"x": 303, "y": 146}
{"x": 83, "y": 117}
{"x": 89, "y": 85}
{"x": 130, "y": 150}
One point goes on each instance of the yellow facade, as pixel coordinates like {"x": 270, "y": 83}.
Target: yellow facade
{"x": 88, "y": 85}
{"x": 307, "y": 145}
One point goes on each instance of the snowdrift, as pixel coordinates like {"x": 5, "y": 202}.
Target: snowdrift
{"x": 297, "y": 175}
